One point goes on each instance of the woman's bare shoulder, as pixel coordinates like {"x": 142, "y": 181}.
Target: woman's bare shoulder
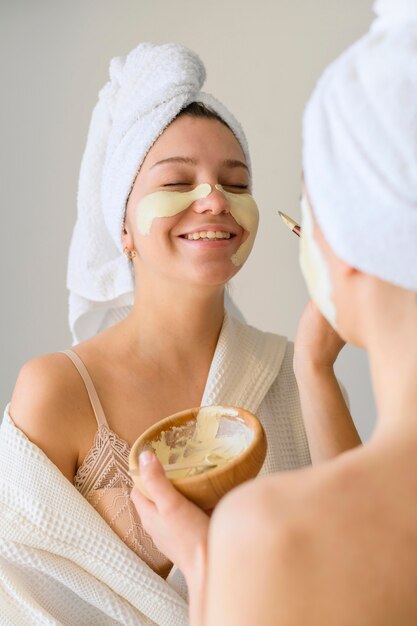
{"x": 253, "y": 532}
{"x": 288, "y": 503}
{"x": 47, "y": 404}
{"x": 290, "y": 530}
{"x": 267, "y": 502}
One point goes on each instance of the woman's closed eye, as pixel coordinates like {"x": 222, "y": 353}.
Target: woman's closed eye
{"x": 234, "y": 187}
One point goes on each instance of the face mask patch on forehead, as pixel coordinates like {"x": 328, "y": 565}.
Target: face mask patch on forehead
{"x": 314, "y": 267}
{"x": 242, "y": 207}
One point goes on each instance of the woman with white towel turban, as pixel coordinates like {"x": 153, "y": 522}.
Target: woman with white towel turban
{"x": 335, "y": 544}
{"x": 152, "y": 338}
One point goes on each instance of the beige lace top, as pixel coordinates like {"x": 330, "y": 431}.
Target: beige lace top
{"x": 104, "y": 481}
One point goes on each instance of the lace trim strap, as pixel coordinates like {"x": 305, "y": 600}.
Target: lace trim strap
{"x": 89, "y": 385}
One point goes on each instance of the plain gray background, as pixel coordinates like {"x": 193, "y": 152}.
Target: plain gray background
{"x": 262, "y": 58}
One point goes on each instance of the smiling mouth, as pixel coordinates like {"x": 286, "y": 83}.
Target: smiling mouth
{"x": 208, "y": 234}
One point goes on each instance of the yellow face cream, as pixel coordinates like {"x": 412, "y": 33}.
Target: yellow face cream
{"x": 314, "y": 267}
{"x": 212, "y": 435}
{"x": 245, "y": 211}
{"x": 166, "y": 204}
{"x": 242, "y": 207}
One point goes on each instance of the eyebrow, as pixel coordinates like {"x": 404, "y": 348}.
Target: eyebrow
{"x": 231, "y": 163}
{"x": 176, "y": 159}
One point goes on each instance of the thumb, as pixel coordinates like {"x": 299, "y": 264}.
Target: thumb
{"x": 157, "y": 485}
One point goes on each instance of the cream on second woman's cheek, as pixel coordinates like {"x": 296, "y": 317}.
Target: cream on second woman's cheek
{"x": 314, "y": 267}
{"x": 242, "y": 207}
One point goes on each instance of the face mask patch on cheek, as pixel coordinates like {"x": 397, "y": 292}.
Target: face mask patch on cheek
{"x": 314, "y": 267}
{"x": 166, "y": 204}
{"x": 244, "y": 210}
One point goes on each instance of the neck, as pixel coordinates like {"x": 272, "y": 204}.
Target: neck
{"x": 393, "y": 361}
{"x": 175, "y": 321}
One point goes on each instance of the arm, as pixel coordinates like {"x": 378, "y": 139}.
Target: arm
{"x": 328, "y": 422}
{"x": 178, "y": 528}
{"x": 250, "y": 555}
{"x": 239, "y": 566}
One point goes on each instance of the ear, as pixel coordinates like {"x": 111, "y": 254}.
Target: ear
{"x": 127, "y": 238}
{"x": 346, "y": 269}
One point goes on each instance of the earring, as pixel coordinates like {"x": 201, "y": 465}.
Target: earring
{"x": 129, "y": 253}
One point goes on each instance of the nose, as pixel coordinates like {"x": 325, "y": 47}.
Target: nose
{"x": 215, "y": 203}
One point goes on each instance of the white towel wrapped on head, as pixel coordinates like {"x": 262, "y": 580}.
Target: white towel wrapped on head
{"x": 395, "y": 9}
{"x": 146, "y": 91}
{"x": 360, "y": 148}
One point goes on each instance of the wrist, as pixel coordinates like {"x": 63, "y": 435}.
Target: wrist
{"x": 194, "y": 569}
{"x": 307, "y": 368}
{"x": 195, "y": 576}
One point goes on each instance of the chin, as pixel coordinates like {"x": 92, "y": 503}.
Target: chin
{"x": 210, "y": 272}
{"x": 212, "y": 277}
{"x": 210, "y": 281}
{"x": 348, "y": 332}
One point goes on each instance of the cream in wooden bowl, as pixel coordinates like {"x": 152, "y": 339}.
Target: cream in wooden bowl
{"x": 205, "y": 451}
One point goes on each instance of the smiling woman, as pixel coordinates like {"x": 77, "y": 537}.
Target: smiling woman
{"x": 169, "y": 186}
{"x": 165, "y": 219}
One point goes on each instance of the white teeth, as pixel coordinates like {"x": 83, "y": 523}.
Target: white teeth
{"x": 209, "y": 234}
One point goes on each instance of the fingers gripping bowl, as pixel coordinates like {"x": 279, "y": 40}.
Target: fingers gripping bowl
{"x": 206, "y": 451}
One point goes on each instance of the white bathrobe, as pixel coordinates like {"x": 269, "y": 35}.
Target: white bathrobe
{"x": 60, "y": 563}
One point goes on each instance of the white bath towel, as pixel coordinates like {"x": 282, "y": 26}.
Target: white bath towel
{"x": 60, "y": 563}
{"x": 146, "y": 91}
{"x": 360, "y": 148}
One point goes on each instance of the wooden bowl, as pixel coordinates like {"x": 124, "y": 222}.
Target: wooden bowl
{"x": 207, "y": 488}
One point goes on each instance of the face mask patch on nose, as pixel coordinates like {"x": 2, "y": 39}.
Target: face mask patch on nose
{"x": 166, "y": 204}
{"x": 244, "y": 210}
{"x": 314, "y": 267}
